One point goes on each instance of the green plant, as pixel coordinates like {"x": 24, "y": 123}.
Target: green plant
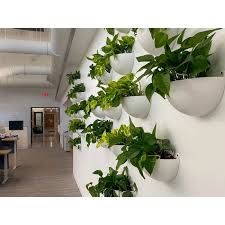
{"x": 141, "y": 148}
{"x": 73, "y": 76}
{"x": 118, "y": 45}
{"x": 75, "y": 142}
{"x": 190, "y": 60}
{"x": 111, "y": 31}
{"x": 75, "y": 108}
{"x": 117, "y": 90}
{"x": 76, "y": 124}
{"x": 100, "y": 66}
{"x": 119, "y": 136}
{"x": 114, "y": 184}
{"x": 95, "y": 130}
{"x": 75, "y": 89}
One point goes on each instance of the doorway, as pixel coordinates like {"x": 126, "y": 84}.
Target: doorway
{"x": 45, "y": 126}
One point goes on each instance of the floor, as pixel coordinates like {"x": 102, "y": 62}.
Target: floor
{"x": 45, "y": 170}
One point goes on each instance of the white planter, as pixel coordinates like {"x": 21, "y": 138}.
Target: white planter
{"x": 73, "y": 100}
{"x": 136, "y": 106}
{"x": 98, "y": 112}
{"x": 197, "y": 96}
{"x": 114, "y": 112}
{"x": 166, "y": 169}
{"x": 106, "y": 78}
{"x": 148, "y": 44}
{"x": 123, "y": 30}
{"x": 104, "y": 145}
{"x": 123, "y": 63}
{"x": 81, "y": 95}
{"x": 116, "y": 149}
{"x": 79, "y": 132}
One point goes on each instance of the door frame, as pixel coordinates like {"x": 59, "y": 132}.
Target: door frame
{"x": 31, "y": 118}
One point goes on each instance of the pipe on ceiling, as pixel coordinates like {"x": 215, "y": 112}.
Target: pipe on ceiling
{"x": 31, "y": 47}
{"x": 25, "y": 69}
{"x": 26, "y": 81}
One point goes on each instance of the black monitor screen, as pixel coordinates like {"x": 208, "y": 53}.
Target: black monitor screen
{"x": 15, "y": 125}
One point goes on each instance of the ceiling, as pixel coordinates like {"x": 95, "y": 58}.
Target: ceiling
{"x": 70, "y": 46}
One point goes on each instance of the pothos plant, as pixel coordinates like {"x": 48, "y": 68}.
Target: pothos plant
{"x": 75, "y": 89}
{"x": 118, "y": 45}
{"x": 189, "y": 60}
{"x": 75, "y": 142}
{"x": 100, "y": 65}
{"x": 141, "y": 148}
{"x": 75, "y": 108}
{"x": 114, "y": 184}
{"x": 76, "y": 124}
{"x": 95, "y": 130}
{"x": 112, "y": 31}
{"x": 117, "y": 90}
{"x": 73, "y": 76}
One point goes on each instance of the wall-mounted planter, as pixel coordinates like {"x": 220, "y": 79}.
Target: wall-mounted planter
{"x": 81, "y": 95}
{"x": 123, "y": 30}
{"x": 116, "y": 149}
{"x": 166, "y": 169}
{"x": 123, "y": 63}
{"x": 79, "y": 132}
{"x": 136, "y": 106}
{"x": 197, "y": 96}
{"x": 74, "y": 100}
{"x": 106, "y": 78}
{"x": 114, "y": 112}
{"x": 98, "y": 112}
{"x": 147, "y": 43}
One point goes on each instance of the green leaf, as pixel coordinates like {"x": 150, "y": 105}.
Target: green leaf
{"x": 194, "y": 40}
{"x": 110, "y": 31}
{"x": 98, "y": 172}
{"x": 180, "y": 39}
{"x": 161, "y": 81}
{"x": 150, "y": 163}
{"x": 199, "y": 64}
{"x": 127, "y": 194}
{"x": 145, "y": 58}
{"x": 149, "y": 91}
{"x": 161, "y": 39}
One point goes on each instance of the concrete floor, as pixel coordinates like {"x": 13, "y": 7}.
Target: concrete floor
{"x": 45, "y": 170}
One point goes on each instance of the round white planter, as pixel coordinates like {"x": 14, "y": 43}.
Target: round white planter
{"x": 136, "y": 106}
{"x": 79, "y": 132}
{"x": 114, "y": 112}
{"x": 197, "y": 96}
{"x": 123, "y": 30}
{"x": 145, "y": 39}
{"x": 81, "y": 95}
{"x": 116, "y": 149}
{"x": 166, "y": 169}
{"x": 98, "y": 112}
{"x": 106, "y": 78}
{"x": 123, "y": 63}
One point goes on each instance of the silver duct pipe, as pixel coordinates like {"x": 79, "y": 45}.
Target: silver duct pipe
{"x": 26, "y": 81}
{"x": 25, "y": 69}
{"x": 31, "y": 47}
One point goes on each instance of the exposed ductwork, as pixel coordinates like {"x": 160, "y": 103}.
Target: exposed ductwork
{"x": 31, "y": 47}
{"x": 25, "y": 69}
{"x": 25, "y": 81}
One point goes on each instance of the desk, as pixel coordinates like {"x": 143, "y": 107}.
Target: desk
{"x": 14, "y": 140}
{"x": 6, "y": 174}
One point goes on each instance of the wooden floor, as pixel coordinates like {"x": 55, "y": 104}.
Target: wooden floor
{"x": 44, "y": 171}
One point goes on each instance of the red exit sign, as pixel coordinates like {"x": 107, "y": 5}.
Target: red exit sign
{"x": 45, "y": 94}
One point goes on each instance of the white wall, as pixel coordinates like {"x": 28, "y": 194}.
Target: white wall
{"x": 15, "y": 104}
{"x": 200, "y": 141}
